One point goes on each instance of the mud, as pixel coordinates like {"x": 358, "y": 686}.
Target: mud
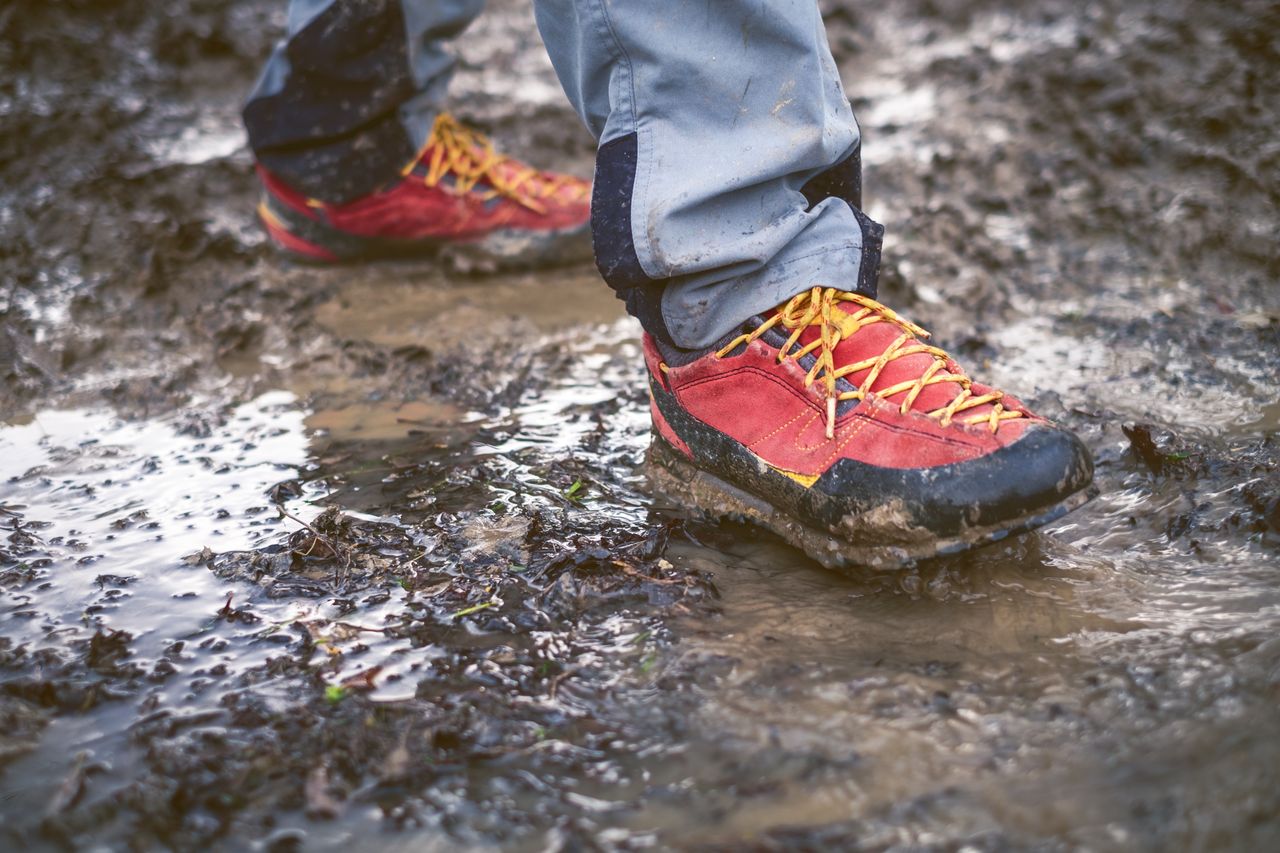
{"x": 359, "y": 557}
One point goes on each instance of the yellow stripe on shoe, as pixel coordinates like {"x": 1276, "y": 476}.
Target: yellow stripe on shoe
{"x": 806, "y": 480}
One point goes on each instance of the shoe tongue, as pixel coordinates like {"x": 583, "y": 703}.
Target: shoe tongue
{"x": 869, "y": 342}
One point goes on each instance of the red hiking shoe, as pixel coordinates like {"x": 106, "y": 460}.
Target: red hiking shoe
{"x": 459, "y": 195}
{"x": 832, "y": 424}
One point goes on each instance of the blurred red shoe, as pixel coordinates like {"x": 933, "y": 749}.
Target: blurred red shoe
{"x": 459, "y": 197}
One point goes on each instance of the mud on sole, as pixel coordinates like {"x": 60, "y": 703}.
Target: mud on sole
{"x": 672, "y": 476}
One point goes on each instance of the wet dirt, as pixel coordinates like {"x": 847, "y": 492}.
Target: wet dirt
{"x": 362, "y": 557}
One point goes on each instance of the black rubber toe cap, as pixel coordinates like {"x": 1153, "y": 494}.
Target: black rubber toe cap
{"x": 1043, "y": 467}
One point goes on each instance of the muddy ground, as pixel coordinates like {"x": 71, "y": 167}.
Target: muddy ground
{"x": 361, "y": 557}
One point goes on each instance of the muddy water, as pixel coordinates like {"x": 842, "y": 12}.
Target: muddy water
{"x": 364, "y": 558}
{"x": 1099, "y": 684}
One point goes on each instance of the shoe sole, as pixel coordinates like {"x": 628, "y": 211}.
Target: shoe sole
{"x": 313, "y": 242}
{"x": 674, "y": 477}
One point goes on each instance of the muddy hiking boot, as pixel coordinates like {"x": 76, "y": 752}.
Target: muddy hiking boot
{"x": 831, "y": 423}
{"x": 459, "y": 198}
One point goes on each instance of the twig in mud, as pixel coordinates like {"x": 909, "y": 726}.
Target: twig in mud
{"x": 318, "y": 536}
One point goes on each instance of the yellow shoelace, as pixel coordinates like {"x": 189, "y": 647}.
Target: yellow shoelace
{"x": 821, "y": 307}
{"x": 469, "y": 156}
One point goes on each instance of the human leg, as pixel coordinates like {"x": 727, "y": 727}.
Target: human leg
{"x": 358, "y": 158}
{"x": 728, "y": 163}
{"x": 726, "y": 215}
{"x": 350, "y": 95}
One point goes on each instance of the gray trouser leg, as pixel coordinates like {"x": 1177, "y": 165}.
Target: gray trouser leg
{"x": 727, "y": 176}
{"x": 348, "y": 98}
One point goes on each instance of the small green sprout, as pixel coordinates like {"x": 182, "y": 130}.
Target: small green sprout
{"x": 475, "y": 608}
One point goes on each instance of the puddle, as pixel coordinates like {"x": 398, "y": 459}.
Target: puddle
{"x": 372, "y": 421}
{"x": 114, "y": 506}
{"x": 424, "y": 309}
